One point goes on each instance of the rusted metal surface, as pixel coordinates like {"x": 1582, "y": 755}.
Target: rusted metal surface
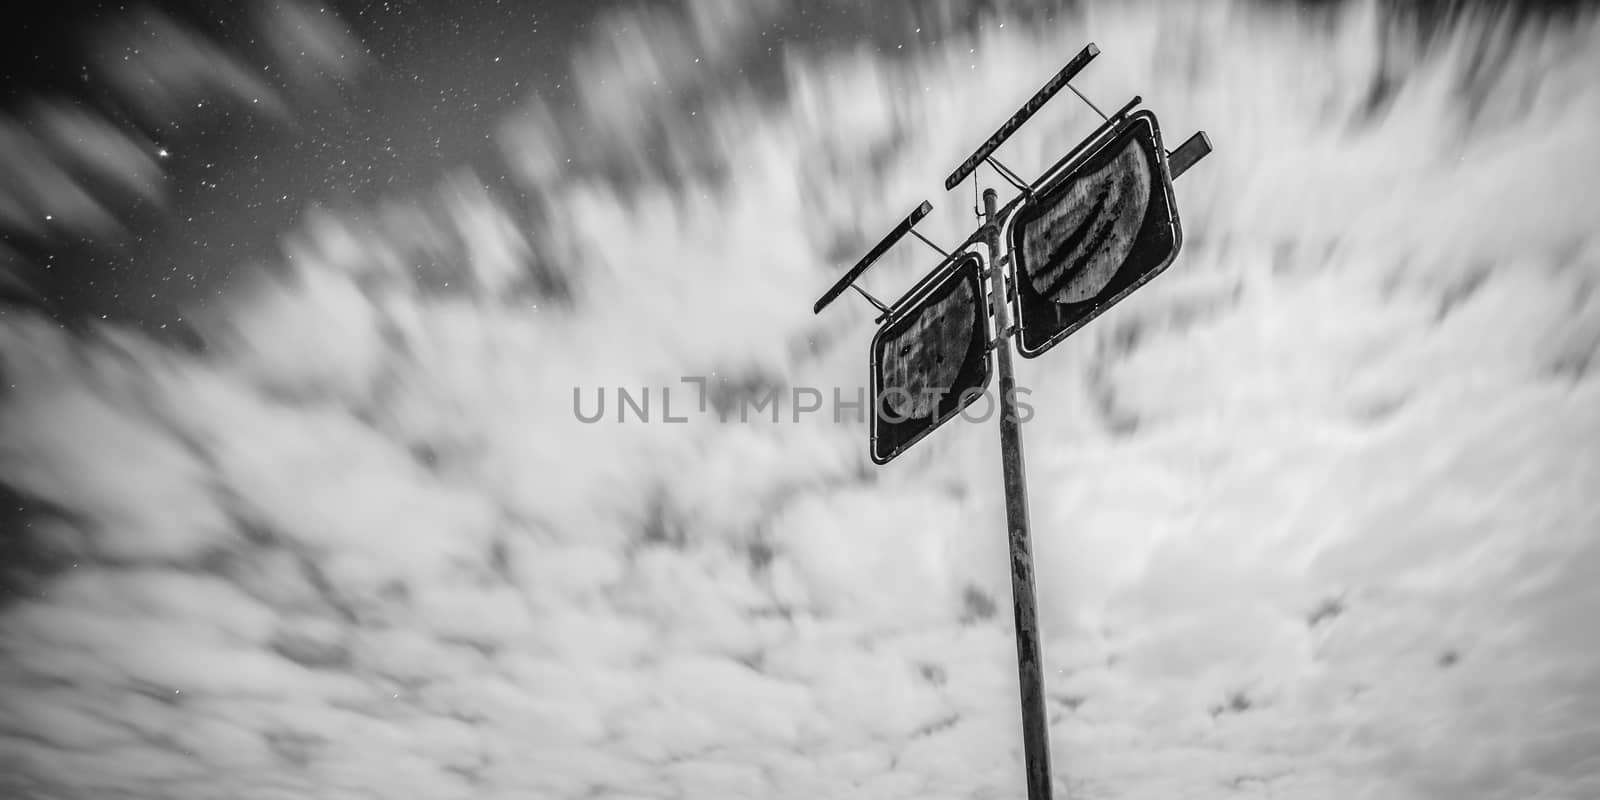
{"x": 922, "y": 360}
{"x": 1084, "y": 237}
{"x": 1105, "y": 225}
{"x": 1030, "y": 671}
{"x": 928, "y": 356}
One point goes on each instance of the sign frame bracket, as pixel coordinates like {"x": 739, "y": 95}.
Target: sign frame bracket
{"x": 1009, "y": 175}
{"x": 869, "y": 298}
{"x": 929, "y": 242}
{"x": 849, "y": 277}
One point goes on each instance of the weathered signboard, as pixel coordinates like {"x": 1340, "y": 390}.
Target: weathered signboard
{"x": 1107, "y": 225}
{"x": 930, "y": 360}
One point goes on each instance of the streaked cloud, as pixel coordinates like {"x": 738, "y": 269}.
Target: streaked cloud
{"x": 164, "y": 69}
{"x": 312, "y": 48}
{"x": 1311, "y": 510}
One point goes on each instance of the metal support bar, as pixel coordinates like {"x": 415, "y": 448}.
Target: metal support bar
{"x": 1011, "y": 295}
{"x": 923, "y": 283}
{"x": 933, "y": 274}
{"x": 1003, "y": 336}
{"x": 1011, "y": 177}
{"x": 1030, "y": 672}
{"x": 976, "y": 237}
{"x": 873, "y": 300}
{"x": 1087, "y": 102}
{"x": 1093, "y": 138}
{"x": 1039, "y": 98}
{"x": 1192, "y": 150}
{"x": 874, "y": 254}
{"x": 929, "y": 242}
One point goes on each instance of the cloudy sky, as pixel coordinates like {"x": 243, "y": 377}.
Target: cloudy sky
{"x": 295, "y": 300}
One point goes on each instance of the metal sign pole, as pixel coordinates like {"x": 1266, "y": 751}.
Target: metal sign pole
{"x": 1151, "y": 242}
{"x": 1030, "y": 672}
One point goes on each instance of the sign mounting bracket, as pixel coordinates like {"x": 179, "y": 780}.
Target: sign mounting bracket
{"x": 869, "y": 298}
{"x": 929, "y": 242}
{"x": 1087, "y": 102}
{"x": 1011, "y": 177}
{"x": 877, "y": 251}
{"x": 1192, "y": 150}
{"x": 1010, "y": 126}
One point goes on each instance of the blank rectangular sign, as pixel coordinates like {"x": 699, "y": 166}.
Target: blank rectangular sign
{"x": 930, "y": 361}
{"x": 1092, "y": 236}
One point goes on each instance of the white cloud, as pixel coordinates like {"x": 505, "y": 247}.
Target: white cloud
{"x": 1311, "y": 510}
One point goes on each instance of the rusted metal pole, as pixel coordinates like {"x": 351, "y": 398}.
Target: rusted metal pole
{"x": 1030, "y": 672}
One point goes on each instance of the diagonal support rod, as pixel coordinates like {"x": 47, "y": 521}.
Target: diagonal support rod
{"x": 1088, "y": 102}
{"x": 877, "y": 251}
{"x": 869, "y": 298}
{"x": 929, "y": 242}
{"x": 1010, "y": 126}
{"x": 1011, "y": 177}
